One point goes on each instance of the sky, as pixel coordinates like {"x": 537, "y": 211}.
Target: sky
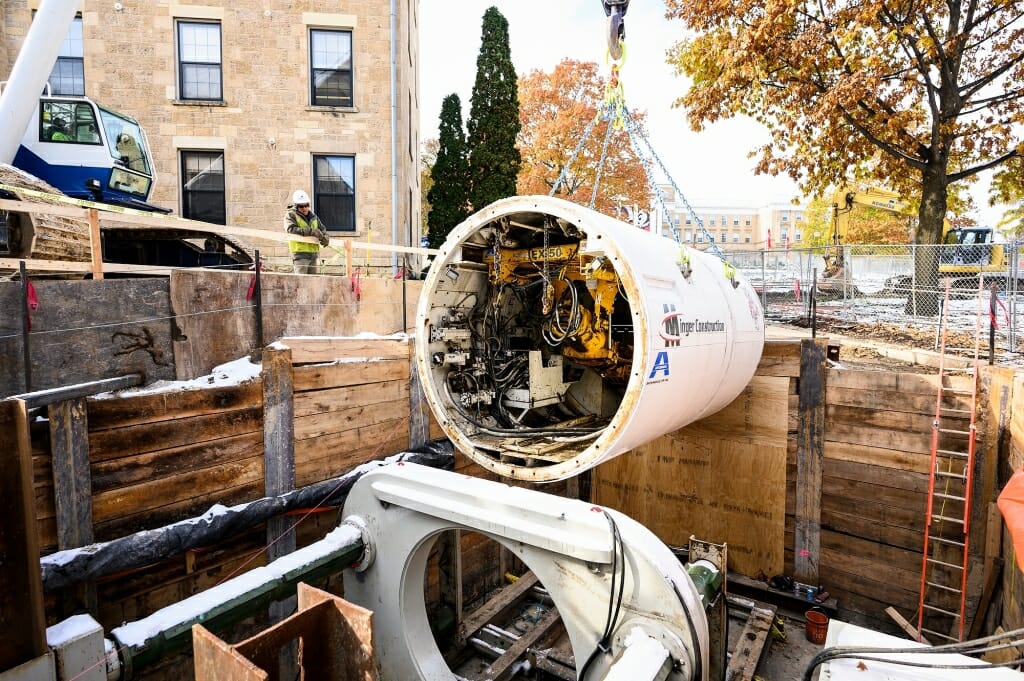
{"x": 711, "y": 167}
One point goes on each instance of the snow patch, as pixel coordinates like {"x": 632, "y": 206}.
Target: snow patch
{"x": 73, "y": 627}
{"x": 236, "y": 372}
{"x": 196, "y": 608}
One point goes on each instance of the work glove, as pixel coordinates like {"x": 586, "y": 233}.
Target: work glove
{"x": 322, "y": 236}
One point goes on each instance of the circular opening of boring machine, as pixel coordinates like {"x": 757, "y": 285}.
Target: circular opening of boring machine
{"x": 529, "y": 341}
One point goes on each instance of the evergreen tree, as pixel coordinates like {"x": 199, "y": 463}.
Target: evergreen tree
{"x": 493, "y": 123}
{"x": 449, "y": 194}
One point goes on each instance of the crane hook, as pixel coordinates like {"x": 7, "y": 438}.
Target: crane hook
{"x": 615, "y": 10}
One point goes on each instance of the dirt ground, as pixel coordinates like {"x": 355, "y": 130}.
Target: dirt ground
{"x": 886, "y": 347}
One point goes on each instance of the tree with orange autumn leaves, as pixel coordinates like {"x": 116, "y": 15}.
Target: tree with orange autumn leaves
{"x": 913, "y": 96}
{"x": 555, "y": 110}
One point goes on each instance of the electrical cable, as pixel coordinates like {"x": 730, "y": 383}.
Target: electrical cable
{"x": 614, "y": 602}
{"x": 963, "y": 647}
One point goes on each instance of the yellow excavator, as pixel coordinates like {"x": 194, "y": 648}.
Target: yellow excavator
{"x": 966, "y": 252}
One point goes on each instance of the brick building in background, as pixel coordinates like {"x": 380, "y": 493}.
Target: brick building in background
{"x": 734, "y": 226}
{"x": 245, "y": 101}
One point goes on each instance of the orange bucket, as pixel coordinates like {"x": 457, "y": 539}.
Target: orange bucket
{"x": 817, "y": 626}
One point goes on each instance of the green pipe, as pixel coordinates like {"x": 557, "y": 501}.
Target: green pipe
{"x": 708, "y": 580}
{"x": 169, "y": 630}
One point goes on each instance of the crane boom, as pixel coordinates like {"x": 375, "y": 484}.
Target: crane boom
{"x": 20, "y": 96}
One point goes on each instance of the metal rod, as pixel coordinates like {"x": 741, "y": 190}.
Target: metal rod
{"x": 42, "y": 398}
{"x": 258, "y": 296}
{"x": 993, "y": 300}
{"x": 26, "y": 324}
{"x": 814, "y": 304}
{"x": 405, "y": 312}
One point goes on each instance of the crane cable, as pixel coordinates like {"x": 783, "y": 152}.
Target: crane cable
{"x": 613, "y": 110}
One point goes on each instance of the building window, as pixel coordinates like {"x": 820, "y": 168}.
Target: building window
{"x": 799, "y": 236}
{"x": 688, "y": 236}
{"x": 689, "y": 221}
{"x": 202, "y": 186}
{"x": 735, "y": 237}
{"x": 331, "y": 67}
{"x": 785, "y": 218}
{"x": 334, "y": 192}
{"x": 746, "y": 239}
{"x": 711, "y": 222}
{"x": 747, "y": 222}
{"x": 700, "y": 238}
{"x": 735, "y": 222}
{"x": 68, "y": 75}
{"x": 199, "y": 61}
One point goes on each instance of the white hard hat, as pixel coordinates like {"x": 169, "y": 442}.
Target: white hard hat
{"x": 300, "y": 197}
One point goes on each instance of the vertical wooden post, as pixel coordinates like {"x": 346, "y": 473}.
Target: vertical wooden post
{"x": 72, "y": 489}
{"x": 279, "y": 475}
{"x": 348, "y": 258}
{"x": 95, "y": 244}
{"x": 449, "y": 564}
{"x": 21, "y": 586}
{"x": 278, "y": 441}
{"x": 809, "y": 461}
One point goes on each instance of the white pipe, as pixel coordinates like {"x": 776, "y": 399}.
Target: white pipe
{"x": 394, "y": 140}
{"x": 32, "y": 68}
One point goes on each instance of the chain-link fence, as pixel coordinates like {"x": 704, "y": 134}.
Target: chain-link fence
{"x": 900, "y": 285}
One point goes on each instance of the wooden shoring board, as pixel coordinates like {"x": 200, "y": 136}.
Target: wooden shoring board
{"x": 747, "y": 653}
{"x": 320, "y": 376}
{"x": 723, "y": 477}
{"x": 499, "y": 606}
{"x": 327, "y": 349}
{"x": 503, "y": 668}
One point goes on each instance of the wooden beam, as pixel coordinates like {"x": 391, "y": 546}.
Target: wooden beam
{"x": 450, "y": 573}
{"x": 324, "y": 349}
{"x": 72, "y": 484}
{"x": 810, "y": 453}
{"x": 906, "y": 626}
{"x": 72, "y": 491}
{"x": 502, "y": 603}
{"x": 22, "y": 618}
{"x": 278, "y": 442}
{"x": 503, "y": 668}
{"x": 744, "y": 658}
{"x": 95, "y": 244}
{"x": 138, "y": 219}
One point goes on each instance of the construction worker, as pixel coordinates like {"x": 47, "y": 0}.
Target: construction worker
{"x": 301, "y": 220}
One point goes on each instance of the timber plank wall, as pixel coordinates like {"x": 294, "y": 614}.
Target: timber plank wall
{"x": 830, "y": 489}
{"x": 159, "y": 457}
{"x": 182, "y": 326}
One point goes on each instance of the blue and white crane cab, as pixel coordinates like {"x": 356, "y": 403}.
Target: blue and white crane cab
{"x": 88, "y": 152}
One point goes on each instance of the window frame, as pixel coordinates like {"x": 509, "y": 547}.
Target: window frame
{"x": 319, "y": 196}
{"x": 185, "y": 203}
{"x": 313, "y": 70}
{"x": 181, "y": 63}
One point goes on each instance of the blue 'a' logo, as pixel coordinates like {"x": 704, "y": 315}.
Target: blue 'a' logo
{"x": 660, "y": 364}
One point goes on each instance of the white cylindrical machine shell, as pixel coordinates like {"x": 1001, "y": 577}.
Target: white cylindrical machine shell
{"x": 696, "y": 339}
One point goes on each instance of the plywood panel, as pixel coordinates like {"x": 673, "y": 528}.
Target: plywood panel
{"x": 721, "y": 479}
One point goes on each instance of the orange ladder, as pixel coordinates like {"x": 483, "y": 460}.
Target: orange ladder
{"x": 944, "y": 559}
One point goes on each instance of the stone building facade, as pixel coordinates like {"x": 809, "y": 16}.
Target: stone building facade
{"x": 244, "y": 82}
